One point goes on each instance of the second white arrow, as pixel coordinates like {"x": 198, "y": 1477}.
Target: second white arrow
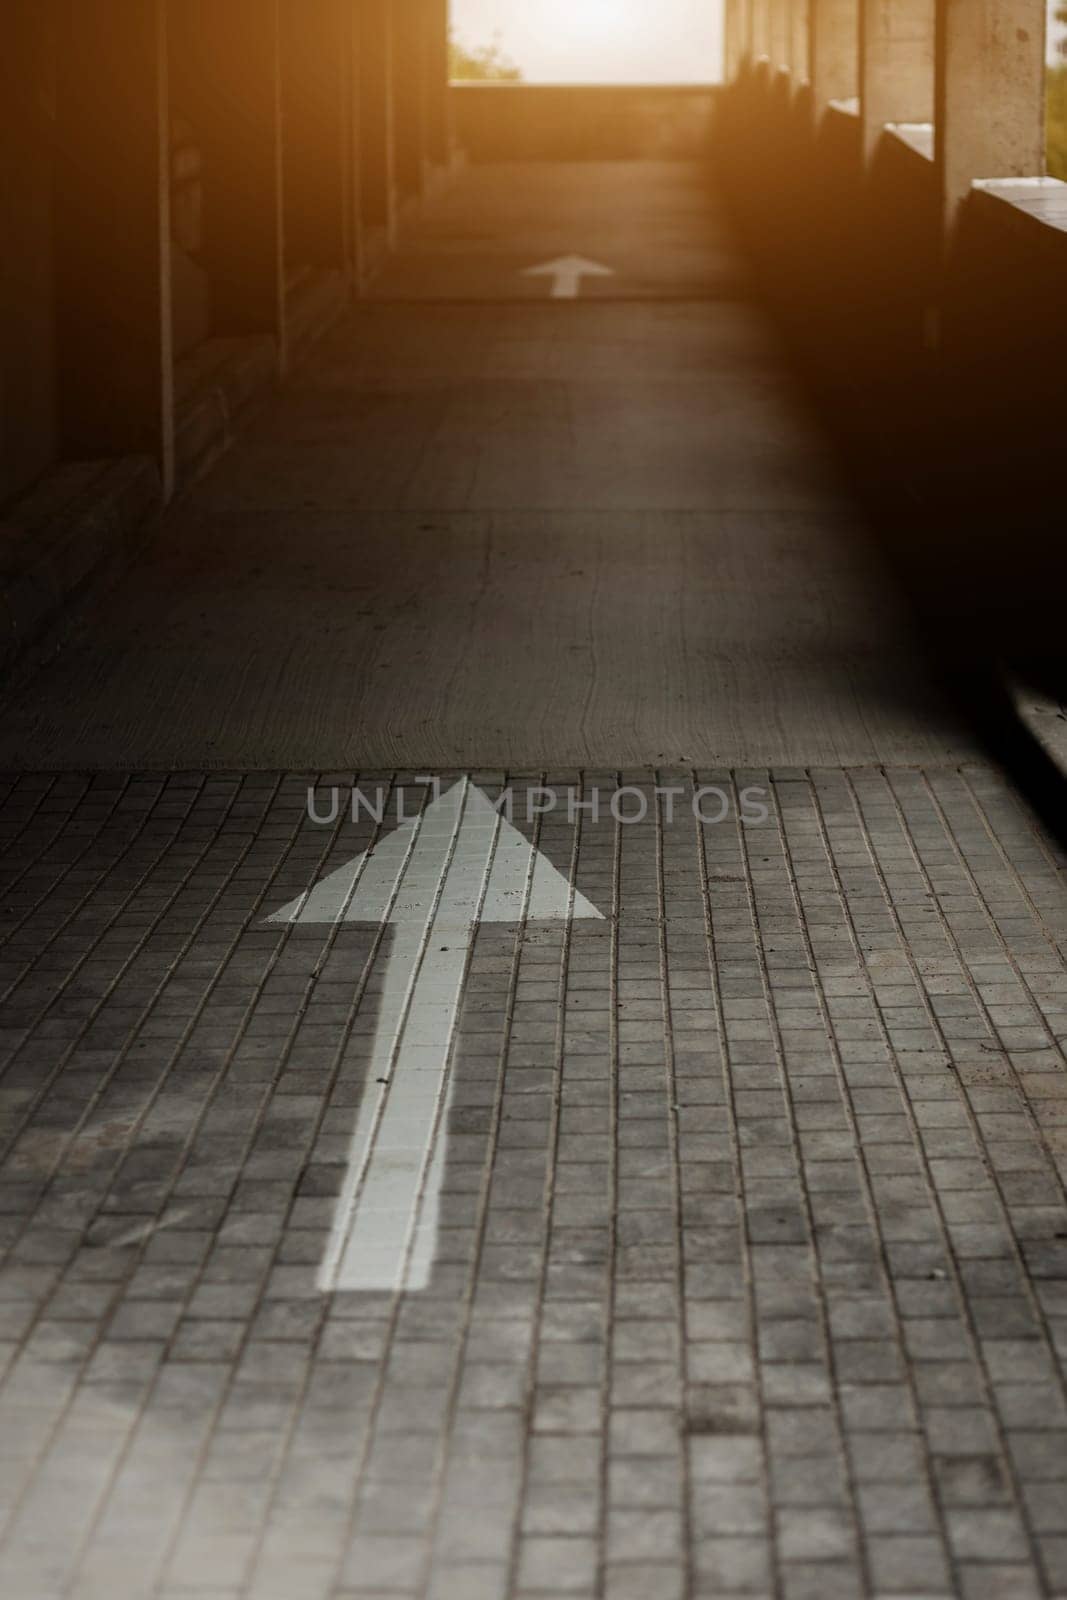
{"x": 567, "y": 274}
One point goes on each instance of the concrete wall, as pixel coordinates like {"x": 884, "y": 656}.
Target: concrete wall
{"x": 28, "y": 403}
{"x": 173, "y": 172}
{"x": 531, "y": 122}
{"x": 935, "y": 345}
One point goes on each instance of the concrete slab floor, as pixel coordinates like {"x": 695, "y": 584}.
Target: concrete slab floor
{"x": 591, "y": 532}
{"x": 653, "y": 227}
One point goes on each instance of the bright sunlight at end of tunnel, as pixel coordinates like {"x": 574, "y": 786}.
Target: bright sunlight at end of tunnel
{"x": 597, "y": 41}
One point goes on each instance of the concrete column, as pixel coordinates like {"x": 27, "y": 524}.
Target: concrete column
{"x": 436, "y": 100}
{"x": 316, "y": 65}
{"x": 408, "y": 64}
{"x": 760, "y": 28}
{"x": 896, "y": 65}
{"x": 231, "y": 56}
{"x": 351, "y": 45}
{"x": 376, "y": 115}
{"x": 780, "y": 34}
{"x": 800, "y": 53}
{"x": 28, "y": 401}
{"x": 834, "y": 51}
{"x": 990, "y": 94}
{"x": 736, "y": 41}
{"x": 114, "y": 333}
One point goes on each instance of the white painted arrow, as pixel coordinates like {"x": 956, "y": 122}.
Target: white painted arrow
{"x": 459, "y": 863}
{"x": 567, "y": 273}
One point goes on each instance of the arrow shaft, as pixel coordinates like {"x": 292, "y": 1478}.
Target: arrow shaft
{"x": 566, "y": 285}
{"x": 385, "y": 1220}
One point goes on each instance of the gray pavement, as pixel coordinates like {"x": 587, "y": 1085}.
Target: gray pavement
{"x": 750, "y": 1275}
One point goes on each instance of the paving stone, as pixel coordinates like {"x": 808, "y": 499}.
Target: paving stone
{"x": 740, "y": 1287}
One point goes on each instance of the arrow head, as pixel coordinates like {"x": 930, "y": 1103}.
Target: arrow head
{"x": 490, "y": 871}
{"x": 569, "y": 267}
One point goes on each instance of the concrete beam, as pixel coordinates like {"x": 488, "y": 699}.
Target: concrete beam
{"x": 114, "y": 303}
{"x": 835, "y": 68}
{"x": 896, "y": 65}
{"x": 989, "y": 95}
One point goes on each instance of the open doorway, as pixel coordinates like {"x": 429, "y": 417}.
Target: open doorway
{"x": 674, "y": 42}
{"x": 584, "y": 79}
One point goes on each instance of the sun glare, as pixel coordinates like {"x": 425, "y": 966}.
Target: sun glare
{"x": 598, "y": 41}
{"x": 604, "y": 18}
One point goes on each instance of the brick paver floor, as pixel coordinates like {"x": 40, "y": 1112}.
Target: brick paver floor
{"x": 751, "y": 1262}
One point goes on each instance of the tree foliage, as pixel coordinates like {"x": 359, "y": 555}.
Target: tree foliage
{"x": 487, "y": 64}
{"x": 1057, "y": 107}
{"x": 1057, "y": 122}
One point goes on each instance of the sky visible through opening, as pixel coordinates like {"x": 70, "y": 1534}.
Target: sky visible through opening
{"x": 1057, "y": 36}
{"x": 599, "y": 41}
